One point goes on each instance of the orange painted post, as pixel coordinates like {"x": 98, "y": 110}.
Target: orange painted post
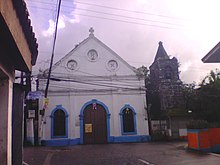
{"x": 214, "y": 134}
{"x": 204, "y": 140}
{"x": 193, "y": 141}
{"x": 198, "y": 139}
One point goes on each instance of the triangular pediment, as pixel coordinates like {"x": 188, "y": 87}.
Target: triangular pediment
{"x": 92, "y": 57}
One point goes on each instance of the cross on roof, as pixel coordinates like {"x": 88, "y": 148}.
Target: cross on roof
{"x": 91, "y": 30}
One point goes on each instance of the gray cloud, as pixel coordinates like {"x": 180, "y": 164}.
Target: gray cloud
{"x": 134, "y": 42}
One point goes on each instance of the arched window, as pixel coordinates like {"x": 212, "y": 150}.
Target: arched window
{"x": 59, "y": 122}
{"x": 128, "y": 120}
{"x": 168, "y": 72}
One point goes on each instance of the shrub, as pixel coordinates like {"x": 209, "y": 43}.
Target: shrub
{"x": 160, "y": 135}
{"x": 198, "y": 124}
{"x": 215, "y": 125}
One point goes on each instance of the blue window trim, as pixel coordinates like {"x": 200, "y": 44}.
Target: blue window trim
{"x": 81, "y": 117}
{"x": 59, "y": 107}
{"x": 134, "y": 119}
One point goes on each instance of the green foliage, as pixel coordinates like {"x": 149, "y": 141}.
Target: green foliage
{"x": 215, "y": 125}
{"x": 189, "y": 94}
{"x": 155, "y": 110}
{"x": 178, "y": 112}
{"x": 153, "y": 100}
{"x": 159, "y": 135}
{"x": 205, "y": 100}
{"x": 198, "y": 124}
{"x": 202, "y": 124}
{"x": 143, "y": 72}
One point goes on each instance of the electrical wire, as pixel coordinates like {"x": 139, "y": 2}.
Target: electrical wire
{"x": 132, "y": 11}
{"x": 103, "y": 82}
{"x": 111, "y": 85}
{"x": 113, "y": 8}
{"x": 97, "y": 76}
{"x": 118, "y": 20}
{"x": 111, "y": 14}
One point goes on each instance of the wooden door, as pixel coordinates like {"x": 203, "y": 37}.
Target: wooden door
{"x": 94, "y": 126}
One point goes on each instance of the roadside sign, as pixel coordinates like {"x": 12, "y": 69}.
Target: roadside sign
{"x": 33, "y": 95}
{"x": 46, "y": 103}
{"x": 31, "y": 113}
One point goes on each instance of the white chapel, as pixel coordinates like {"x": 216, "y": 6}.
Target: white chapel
{"x": 95, "y": 97}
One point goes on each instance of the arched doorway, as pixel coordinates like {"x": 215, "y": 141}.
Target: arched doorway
{"x": 94, "y": 123}
{"x": 95, "y": 128}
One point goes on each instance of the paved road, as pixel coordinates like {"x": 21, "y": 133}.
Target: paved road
{"x": 172, "y": 153}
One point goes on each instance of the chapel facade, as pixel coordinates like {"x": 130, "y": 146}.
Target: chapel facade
{"x": 94, "y": 97}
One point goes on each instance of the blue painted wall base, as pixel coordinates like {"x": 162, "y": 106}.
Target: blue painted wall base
{"x": 216, "y": 148}
{"x": 127, "y": 139}
{"x": 60, "y": 142}
{"x": 113, "y": 139}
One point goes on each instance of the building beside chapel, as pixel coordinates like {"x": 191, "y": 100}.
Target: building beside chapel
{"x": 94, "y": 97}
{"x": 18, "y": 51}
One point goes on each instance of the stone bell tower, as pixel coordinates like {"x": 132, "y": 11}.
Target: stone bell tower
{"x": 164, "y": 79}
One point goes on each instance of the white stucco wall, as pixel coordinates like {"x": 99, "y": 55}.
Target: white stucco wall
{"x": 73, "y": 105}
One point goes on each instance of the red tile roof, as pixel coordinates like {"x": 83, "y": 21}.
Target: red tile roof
{"x": 22, "y": 13}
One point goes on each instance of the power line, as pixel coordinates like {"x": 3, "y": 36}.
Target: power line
{"x": 77, "y": 89}
{"x": 119, "y": 20}
{"x": 113, "y": 8}
{"x": 103, "y": 82}
{"x": 52, "y": 56}
{"x": 96, "y": 84}
{"x": 97, "y": 76}
{"x": 120, "y": 9}
{"x": 111, "y": 19}
{"x": 118, "y": 15}
{"x": 111, "y": 14}
{"x": 132, "y": 22}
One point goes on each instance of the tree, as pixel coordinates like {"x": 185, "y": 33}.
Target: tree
{"x": 189, "y": 94}
{"x": 208, "y": 98}
{"x": 153, "y": 99}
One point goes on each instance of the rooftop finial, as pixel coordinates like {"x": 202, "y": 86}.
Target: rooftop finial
{"x": 91, "y": 30}
{"x": 160, "y": 43}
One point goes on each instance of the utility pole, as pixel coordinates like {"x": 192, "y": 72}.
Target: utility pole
{"x": 50, "y": 68}
{"x": 52, "y": 56}
{"x": 27, "y": 89}
{"x": 22, "y": 78}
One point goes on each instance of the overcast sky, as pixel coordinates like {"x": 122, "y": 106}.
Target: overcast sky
{"x": 189, "y": 29}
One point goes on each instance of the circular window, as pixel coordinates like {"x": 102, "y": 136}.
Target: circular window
{"x": 72, "y": 65}
{"x": 92, "y": 55}
{"x": 112, "y": 65}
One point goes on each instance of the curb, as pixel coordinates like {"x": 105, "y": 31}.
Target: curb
{"x": 210, "y": 153}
